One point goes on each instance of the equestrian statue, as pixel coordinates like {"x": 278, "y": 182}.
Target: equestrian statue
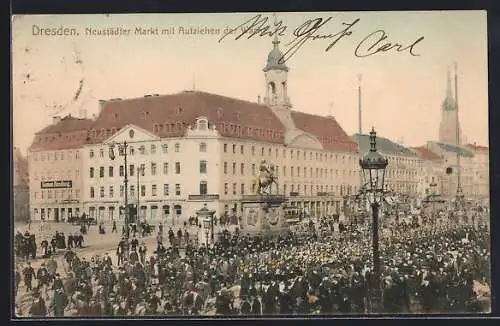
{"x": 266, "y": 178}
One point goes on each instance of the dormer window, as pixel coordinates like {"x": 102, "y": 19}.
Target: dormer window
{"x": 202, "y": 124}
{"x": 179, "y": 111}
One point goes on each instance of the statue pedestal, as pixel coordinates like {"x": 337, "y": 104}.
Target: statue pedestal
{"x": 263, "y": 215}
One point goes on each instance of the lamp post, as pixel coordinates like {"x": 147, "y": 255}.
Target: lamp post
{"x": 122, "y": 151}
{"x": 206, "y": 226}
{"x": 373, "y": 165}
{"x": 433, "y": 186}
{"x": 140, "y": 171}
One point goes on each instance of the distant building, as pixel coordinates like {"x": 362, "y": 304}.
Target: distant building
{"x": 55, "y": 169}
{"x": 402, "y": 174}
{"x": 449, "y": 153}
{"x": 20, "y": 186}
{"x": 481, "y": 167}
{"x": 432, "y": 172}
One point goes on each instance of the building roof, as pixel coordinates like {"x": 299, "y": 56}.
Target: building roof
{"x": 326, "y": 129}
{"x": 67, "y": 133}
{"x": 478, "y": 148}
{"x": 425, "y": 153}
{"x": 384, "y": 145}
{"x": 463, "y": 151}
{"x": 170, "y": 115}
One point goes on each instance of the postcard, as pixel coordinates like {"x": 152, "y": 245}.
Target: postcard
{"x": 250, "y": 164}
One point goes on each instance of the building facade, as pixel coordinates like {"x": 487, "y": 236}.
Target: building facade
{"x": 481, "y": 169}
{"x": 449, "y": 154}
{"x": 20, "y": 184}
{"x": 402, "y": 173}
{"x": 55, "y": 169}
{"x": 198, "y": 148}
{"x": 431, "y": 174}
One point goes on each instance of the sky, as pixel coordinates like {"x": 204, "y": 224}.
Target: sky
{"x": 401, "y": 93}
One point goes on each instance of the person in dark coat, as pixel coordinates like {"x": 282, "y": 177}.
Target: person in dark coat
{"x": 29, "y": 275}
{"x": 58, "y": 283}
{"x": 70, "y": 241}
{"x": 59, "y": 302}
{"x": 245, "y": 307}
{"x": 114, "y": 229}
{"x": 256, "y": 306}
{"x": 38, "y": 307}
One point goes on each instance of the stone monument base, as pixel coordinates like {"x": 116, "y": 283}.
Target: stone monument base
{"x": 263, "y": 215}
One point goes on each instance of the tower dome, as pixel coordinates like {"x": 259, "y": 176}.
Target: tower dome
{"x": 274, "y": 58}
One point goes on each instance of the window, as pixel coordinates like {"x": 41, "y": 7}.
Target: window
{"x": 253, "y": 150}
{"x": 177, "y": 189}
{"x": 202, "y": 124}
{"x": 242, "y": 168}
{"x": 132, "y": 191}
{"x": 203, "y": 147}
{"x": 122, "y": 190}
{"x": 225, "y": 167}
{"x": 291, "y": 170}
{"x": 177, "y": 147}
{"x": 153, "y": 149}
{"x": 91, "y": 172}
{"x": 226, "y": 188}
{"x": 177, "y": 167}
{"x": 143, "y": 190}
{"x": 203, "y": 167}
{"x": 234, "y": 188}
{"x": 91, "y": 154}
{"x": 153, "y": 168}
{"x": 131, "y": 170}
{"x": 242, "y": 189}
{"x": 253, "y": 169}
{"x": 111, "y": 192}
{"x": 234, "y": 149}
{"x": 203, "y": 188}
{"x": 142, "y": 150}
{"x": 143, "y": 169}
{"x": 165, "y": 168}
{"x": 131, "y": 150}
{"x": 122, "y": 171}
{"x": 284, "y": 171}
{"x": 92, "y": 192}
{"x": 242, "y": 150}
{"x": 234, "y": 168}
{"x": 166, "y": 189}
{"x": 164, "y": 148}
{"x": 153, "y": 190}
{"x": 225, "y": 148}
{"x": 101, "y": 192}
{"x": 101, "y": 152}
{"x": 110, "y": 171}
{"x": 262, "y": 151}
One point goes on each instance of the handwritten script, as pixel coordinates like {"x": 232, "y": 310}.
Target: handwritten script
{"x": 377, "y": 42}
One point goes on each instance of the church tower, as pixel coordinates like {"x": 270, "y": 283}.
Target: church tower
{"x": 449, "y": 120}
{"x": 276, "y": 78}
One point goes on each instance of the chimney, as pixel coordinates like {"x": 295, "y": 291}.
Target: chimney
{"x": 258, "y": 99}
{"x": 102, "y": 103}
{"x": 56, "y": 119}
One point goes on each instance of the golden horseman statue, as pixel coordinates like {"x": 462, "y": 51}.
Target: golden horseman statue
{"x": 266, "y": 178}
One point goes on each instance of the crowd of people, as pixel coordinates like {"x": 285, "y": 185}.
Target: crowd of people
{"x": 425, "y": 268}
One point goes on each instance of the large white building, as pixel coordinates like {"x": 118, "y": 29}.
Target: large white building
{"x": 198, "y": 148}
{"x": 431, "y": 174}
{"x": 481, "y": 169}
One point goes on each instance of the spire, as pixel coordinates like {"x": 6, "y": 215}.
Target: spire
{"x": 449, "y": 94}
{"x": 276, "y": 41}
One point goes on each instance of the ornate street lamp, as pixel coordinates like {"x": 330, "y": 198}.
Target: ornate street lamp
{"x": 122, "y": 151}
{"x": 373, "y": 165}
{"x": 206, "y": 226}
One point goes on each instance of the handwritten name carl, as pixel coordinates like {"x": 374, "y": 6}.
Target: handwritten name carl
{"x": 376, "y": 42}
